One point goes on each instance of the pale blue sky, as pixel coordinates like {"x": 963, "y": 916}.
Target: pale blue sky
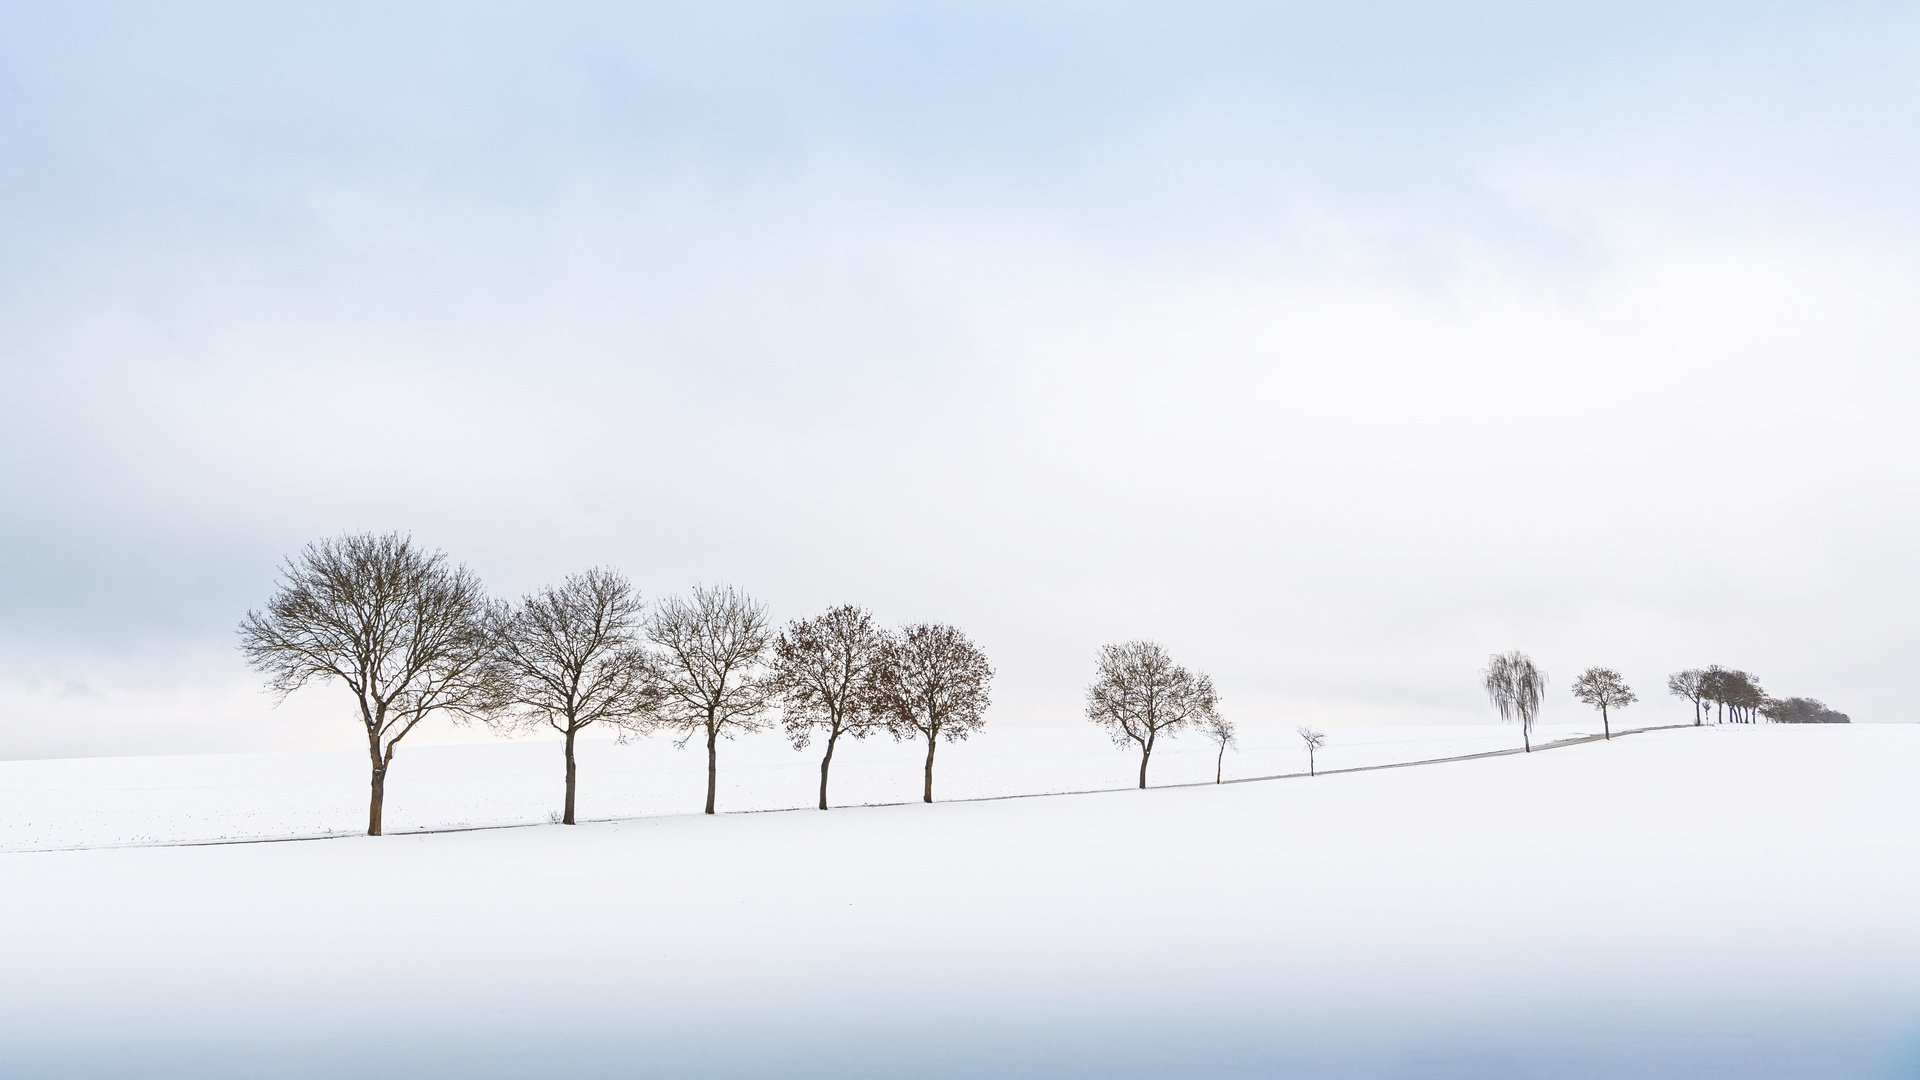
{"x": 1334, "y": 345}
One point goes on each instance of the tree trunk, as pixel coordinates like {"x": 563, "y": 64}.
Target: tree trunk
{"x": 928, "y": 797}
{"x": 1526, "y": 736}
{"x": 1218, "y": 761}
{"x": 1605, "y": 728}
{"x": 566, "y": 816}
{"x": 832, "y": 737}
{"x": 713, "y": 760}
{"x": 1310, "y": 771}
{"x": 1696, "y": 712}
{"x": 379, "y": 797}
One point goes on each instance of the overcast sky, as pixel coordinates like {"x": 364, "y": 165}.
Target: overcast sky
{"x": 1335, "y": 346}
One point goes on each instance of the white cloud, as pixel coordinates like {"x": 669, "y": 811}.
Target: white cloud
{"x": 1334, "y": 443}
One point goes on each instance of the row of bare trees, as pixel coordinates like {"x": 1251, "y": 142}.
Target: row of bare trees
{"x": 1728, "y": 695}
{"x": 410, "y": 636}
{"x": 1735, "y": 693}
{"x": 1516, "y": 686}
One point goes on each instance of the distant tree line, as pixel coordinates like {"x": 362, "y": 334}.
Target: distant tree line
{"x": 1802, "y": 710}
{"x": 1727, "y": 695}
{"x": 410, "y": 636}
{"x": 1516, "y": 686}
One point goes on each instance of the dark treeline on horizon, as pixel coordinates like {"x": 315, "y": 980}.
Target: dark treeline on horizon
{"x": 1729, "y": 695}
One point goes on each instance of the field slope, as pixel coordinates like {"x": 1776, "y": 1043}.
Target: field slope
{"x": 1690, "y": 903}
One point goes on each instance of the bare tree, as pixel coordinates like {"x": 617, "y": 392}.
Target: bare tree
{"x": 1714, "y": 690}
{"x": 1743, "y": 696}
{"x": 1688, "y": 684}
{"x": 933, "y": 685}
{"x": 394, "y": 623}
{"x": 1734, "y": 694}
{"x": 570, "y": 657}
{"x": 1221, "y": 731}
{"x": 709, "y": 678}
{"x": 1515, "y": 686}
{"x": 1712, "y": 681}
{"x": 1138, "y": 693}
{"x": 826, "y": 670}
{"x": 1604, "y": 689}
{"x": 1314, "y": 741}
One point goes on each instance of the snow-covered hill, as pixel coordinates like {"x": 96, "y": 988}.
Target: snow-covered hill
{"x": 1685, "y": 903}
{"x": 90, "y": 802}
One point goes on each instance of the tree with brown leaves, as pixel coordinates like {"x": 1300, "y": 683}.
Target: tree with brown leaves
{"x": 1603, "y": 689}
{"x": 826, "y": 671}
{"x": 1140, "y": 695}
{"x": 933, "y": 685}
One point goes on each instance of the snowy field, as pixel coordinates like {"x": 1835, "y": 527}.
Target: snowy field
{"x": 97, "y": 802}
{"x": 1735, "y": 903}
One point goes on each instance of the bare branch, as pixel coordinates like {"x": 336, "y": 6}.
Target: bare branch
{"x": 1604, "y": 689}
{"x": 707, "y": 672}
{"x": 1688, "y": 684}
{"x": 826, "y": 671}
{"x": 570, "y": 657}
{"x": 933, "y": 684}
{"x": 401, "y": 629}
{"x": 1219, "y": 729}
{"x": 1314, "y": 741}
{"x": 1139, "y": 693}
{"x": 1516, "y": 687}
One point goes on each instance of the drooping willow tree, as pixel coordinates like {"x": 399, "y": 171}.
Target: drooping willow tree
{"x": 1515, "y": 686}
